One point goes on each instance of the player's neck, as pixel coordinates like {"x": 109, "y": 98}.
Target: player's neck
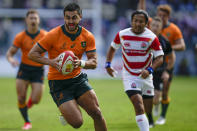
{"x": 166, "y": 24}
{"x": 137, "y": 33}
{"x": 32, "y": 30}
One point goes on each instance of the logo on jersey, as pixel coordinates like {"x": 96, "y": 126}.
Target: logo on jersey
{"x": 126, "y": 44}
{"x": 73, "y": 45}
{"x": 127, "y": 51}
{"x": 133, "y": 85}
{"x": 83, "y": 44}
{"x": 143, "y": 45}
{"x": 63, "y": 46}
{"x": 168, "y": 34}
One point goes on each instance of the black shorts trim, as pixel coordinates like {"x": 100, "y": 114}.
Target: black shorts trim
{"x": 132, "y": 92}
{"x": 147, "y": 97}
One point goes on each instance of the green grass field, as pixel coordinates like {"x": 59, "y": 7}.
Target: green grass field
{"x": 115, "y": 106}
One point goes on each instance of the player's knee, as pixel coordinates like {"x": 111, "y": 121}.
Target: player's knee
{"x": 35, "y": 101}
{"x": 155, "y": 101}
{"x": 76, "y": 124}
{"x": 139, "y": 110}
{"x": 95, "y": 113}
{"x": 21, "y": 99}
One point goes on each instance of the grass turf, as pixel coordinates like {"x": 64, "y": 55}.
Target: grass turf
{"x": 115, "y": 106}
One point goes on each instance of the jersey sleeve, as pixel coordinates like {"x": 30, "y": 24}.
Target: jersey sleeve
{"x": 46, "y": 42}
{"x": 177, "y": 33}
{"x": 91, "y": 45}
{"x": 157, "y": 49}
{"x": 17, "y": 41}
{"x": 116, "y": 42}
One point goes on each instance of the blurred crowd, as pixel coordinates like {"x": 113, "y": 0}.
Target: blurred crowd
{"x": 116, "y": 16}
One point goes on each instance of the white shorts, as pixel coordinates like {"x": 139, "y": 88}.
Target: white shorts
{"x": 136, "y": 83}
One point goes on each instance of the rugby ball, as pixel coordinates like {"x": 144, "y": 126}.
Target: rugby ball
{"x": 66, "y": 62}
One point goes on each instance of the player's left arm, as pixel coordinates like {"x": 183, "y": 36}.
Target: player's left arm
{"x": 158, "y": 53}
{"x": 179, "y": 45}
{"x": 91, "y": 62}
{"x": 157, "y": 62}
{"x": 178, "y": 40}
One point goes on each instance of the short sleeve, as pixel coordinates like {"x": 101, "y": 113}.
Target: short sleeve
{"x": 157, "y": 49}
{"x": 116, "y": 42}
{"x": 91, "y": 45}
{"x": 177, "y": 33}
{"x": 17, "y": 41}
{"x": 47, "y": 41}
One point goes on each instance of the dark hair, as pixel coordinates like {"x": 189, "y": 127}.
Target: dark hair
{"x": 73, "y": 7}
{"x": 31, "y": 11}
{"x": 140, "y": 12}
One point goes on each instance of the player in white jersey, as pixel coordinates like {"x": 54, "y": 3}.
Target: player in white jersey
{"x": 138, "y": 45}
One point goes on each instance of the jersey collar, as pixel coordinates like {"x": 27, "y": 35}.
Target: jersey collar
{"x": 32, "y": 35}
{"x": 166, "y": 25}
{"x": 72, "y": 36}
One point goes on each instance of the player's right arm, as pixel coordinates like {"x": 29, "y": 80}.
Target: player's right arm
{"x": 35, "y": 54}
{"x": 110, "y": 55}
{"x": 142, "y": 5}
{"x": 10, "y": 56}
{"x": 109, "y": 58}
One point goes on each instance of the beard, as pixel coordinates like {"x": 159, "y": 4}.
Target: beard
{"x": 33, "y": 24}
{"x": 72, "y": 28}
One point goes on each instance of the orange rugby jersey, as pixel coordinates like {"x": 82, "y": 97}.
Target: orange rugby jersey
{"x": 172, "y": 33}
{"x": 25, "y": 41}
{"x": 59, "y": 40}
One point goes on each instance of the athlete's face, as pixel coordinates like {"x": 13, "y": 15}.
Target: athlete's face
{"x": 72, "y": 19}
{"x": 156, "y": 27}
{"x": 138, "y": 23}
{"x": 163, "y": 15}
{"x": 32, "y": 20}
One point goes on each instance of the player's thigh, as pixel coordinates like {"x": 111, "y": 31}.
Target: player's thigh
{"x": 71, "y": 112}
{"x": 37, "y": 91}
{"x": 133, "y": 89}
{"x": 89, "y": 102}
{"x": 21, "y": 89}
{"x": 137, "y": 102}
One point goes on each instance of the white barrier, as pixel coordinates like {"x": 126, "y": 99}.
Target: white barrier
{"x": 7, "y": 70}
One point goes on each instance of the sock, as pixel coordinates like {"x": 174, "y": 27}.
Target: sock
{"x": 150, "y": 118}
{"x": 164, "y": 109}
{"x": 142, "y": 122}
{"x": 23, "y": 110}
{"x": 29, "y": 103}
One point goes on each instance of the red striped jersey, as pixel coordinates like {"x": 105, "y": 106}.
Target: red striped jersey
{"x": 137, "y": 49}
